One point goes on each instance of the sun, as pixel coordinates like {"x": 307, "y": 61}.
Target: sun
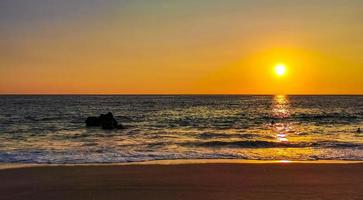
{"x": 280, "y": 69}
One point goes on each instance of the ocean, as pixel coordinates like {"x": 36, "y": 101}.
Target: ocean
{"x": 51, "y": 129}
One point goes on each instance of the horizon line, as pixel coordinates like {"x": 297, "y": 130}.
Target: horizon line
{"x": 166, "y": 94}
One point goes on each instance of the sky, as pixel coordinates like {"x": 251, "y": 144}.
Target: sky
{"x": 181, "y": 47}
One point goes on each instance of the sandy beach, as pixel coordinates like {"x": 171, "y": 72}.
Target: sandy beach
{"x": 185, "y": 181}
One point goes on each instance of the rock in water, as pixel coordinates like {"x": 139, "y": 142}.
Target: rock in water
{"x": 106, "y": 121}
{"x": 93, "y": 121}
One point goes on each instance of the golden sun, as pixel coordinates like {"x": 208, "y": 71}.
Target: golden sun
{"x": 280, "y": 69}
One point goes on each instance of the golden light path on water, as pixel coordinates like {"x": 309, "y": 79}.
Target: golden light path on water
{"x": 282, "y": 129}
{"x": 281, "y": 110}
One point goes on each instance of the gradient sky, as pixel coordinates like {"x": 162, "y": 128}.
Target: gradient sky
{"x": 181, "y": 46}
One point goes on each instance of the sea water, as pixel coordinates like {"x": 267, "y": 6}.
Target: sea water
{"x": 51, "y": 129}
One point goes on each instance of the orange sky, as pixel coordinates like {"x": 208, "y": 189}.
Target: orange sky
{"x": 181, "y": 47}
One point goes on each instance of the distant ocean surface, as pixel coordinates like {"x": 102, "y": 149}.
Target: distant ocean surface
{"x": 51, "y": 129}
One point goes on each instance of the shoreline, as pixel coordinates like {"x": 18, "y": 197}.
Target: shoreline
{"x": 178, "y": 162}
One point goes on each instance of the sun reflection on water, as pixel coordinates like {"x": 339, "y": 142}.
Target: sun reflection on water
{"x": 281, "y": 110}
{"x": 284, "y": 161}
{"x": 281, "y": 106}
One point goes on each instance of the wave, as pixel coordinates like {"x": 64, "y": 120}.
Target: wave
{"x": 269, "y": 144}
{"x": 223, "y": 135}
{"x": 207, "y": 135}
{"x": 325, "y": 116}
{"x": 39, "y": 119}
{"x": 317, "y": 117}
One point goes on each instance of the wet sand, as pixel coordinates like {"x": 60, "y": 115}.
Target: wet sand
{"x": 185, "y": 181}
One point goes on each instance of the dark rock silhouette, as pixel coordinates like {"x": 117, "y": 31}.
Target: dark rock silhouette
{"x": 359, "y": 131}
{"x": 93, "y": 121}
{"x": 106, "y": 121}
